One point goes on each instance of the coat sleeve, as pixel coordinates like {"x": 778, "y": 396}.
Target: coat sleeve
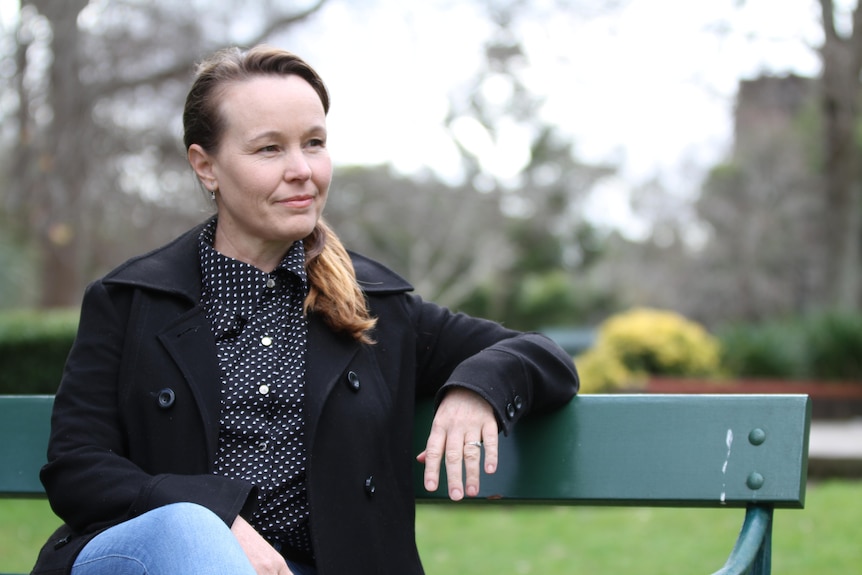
{"x": 90, "y": 480}
{"x": 517, "y": 373}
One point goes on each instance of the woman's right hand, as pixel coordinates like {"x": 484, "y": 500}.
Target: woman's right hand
{"x": 264, "y": 558}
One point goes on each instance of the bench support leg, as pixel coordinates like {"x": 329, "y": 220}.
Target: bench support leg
{"x": 752, "y": 554}
{"x": 762, "y": 564}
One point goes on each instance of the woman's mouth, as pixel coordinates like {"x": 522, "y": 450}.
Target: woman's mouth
{"x": 298, "y": 202}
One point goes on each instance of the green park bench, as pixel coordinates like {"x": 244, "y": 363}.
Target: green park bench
{"x": 706, "y": 451}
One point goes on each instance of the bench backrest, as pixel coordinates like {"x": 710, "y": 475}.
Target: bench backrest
{"x": 656, "y": 450}
{"x": 649, "y": 450}
{"x": 24, "y": 427}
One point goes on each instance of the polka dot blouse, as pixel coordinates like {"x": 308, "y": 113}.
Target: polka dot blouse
{"x": 261, "y": 335}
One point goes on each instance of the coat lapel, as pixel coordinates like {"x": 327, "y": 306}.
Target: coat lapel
{"x": 191, "y": 345}
{"x": 189, "y": 341}
{"x": 328, "y": 356}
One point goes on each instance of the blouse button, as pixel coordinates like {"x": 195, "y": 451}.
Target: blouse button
{"x": 266, "y": 341}
{"x": 270, "y": 283}
{"x": 261, "y": 446}
{"x": 263, "y": 389}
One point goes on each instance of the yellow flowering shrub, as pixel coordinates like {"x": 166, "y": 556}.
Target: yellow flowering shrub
{"x": 635, "y": 344}
{"x": 601, "y": 371}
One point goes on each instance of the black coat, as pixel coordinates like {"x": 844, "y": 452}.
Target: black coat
{"x": 136, "y": 417}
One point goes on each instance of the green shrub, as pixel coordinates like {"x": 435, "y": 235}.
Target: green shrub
{"x": 33, "y": 349}
{"x": 771, "y": 350}
{"x": 635, "y": 344}
{"x": 834, "y": 342}
{"x": 825, "y": 346}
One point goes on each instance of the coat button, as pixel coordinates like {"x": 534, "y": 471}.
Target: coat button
{"x": 369, "y": 486}
{"x": 519, "y": 402}
{"x": 166, "y": 398}
{"x": 353, "y": 380}
{"x": 61, "y": 542}
{"x": 510, "y": 411}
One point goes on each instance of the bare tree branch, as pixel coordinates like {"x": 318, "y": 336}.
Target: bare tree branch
{"x": 284, "y": 22}
{"x": 180, "y": 69}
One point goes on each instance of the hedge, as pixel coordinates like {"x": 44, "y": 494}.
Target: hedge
{"x": 828, "y": 345}
{"x": 33, "y": 349}
{"x": 818, "y": 346}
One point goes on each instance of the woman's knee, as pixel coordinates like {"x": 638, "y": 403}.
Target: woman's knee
{"x": 180, "y": 535}
{"x": 182, "y": 515}
{"x": 190, "y": 525}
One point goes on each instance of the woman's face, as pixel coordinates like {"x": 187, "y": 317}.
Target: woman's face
{"x": 272, "y": 169}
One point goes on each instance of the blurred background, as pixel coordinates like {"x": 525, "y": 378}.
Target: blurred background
{"x": 671, "y": 189}
{"x": 540, "y": 162}
{"x": 548, "y": 164}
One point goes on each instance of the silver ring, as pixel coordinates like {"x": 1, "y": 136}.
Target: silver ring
{"x": 476, "y": 443}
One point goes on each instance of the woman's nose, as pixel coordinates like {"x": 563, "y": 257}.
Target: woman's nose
{"x": 297, "y": 166}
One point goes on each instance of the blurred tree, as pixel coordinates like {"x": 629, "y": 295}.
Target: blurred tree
{"x": 98, "y": 172}
{"x": 445, "y": 239}
{"x": 507, "y": 243}
{"x": 763, "y": 257}
{"x": 782, "y": 214}
{"x": 513, "y": 155}
{"x": 842, "y": 63}
{"x": 95, "y": 80}
{"x": 653, "y": 271}
{"x": 756, "y": 251}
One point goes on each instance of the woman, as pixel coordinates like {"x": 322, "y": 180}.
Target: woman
{"x": 241, "y": 400}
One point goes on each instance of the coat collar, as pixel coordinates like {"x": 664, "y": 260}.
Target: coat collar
{"x": 175, "y": 268}
{"x": 375, "y": 278}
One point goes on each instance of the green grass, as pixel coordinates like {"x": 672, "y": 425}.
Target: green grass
{"x": 24, "y": 525}
{"x": 822, "y": 538}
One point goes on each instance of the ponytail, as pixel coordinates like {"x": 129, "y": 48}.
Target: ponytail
{"x": 334, "y": 292}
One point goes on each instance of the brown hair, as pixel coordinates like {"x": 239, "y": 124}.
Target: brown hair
{"x": 334, "y": 292}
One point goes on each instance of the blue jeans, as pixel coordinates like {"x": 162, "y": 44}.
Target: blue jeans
{"x": 178, "y": 539}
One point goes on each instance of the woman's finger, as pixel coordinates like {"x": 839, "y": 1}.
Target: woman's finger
{"x": 432, "y": 456}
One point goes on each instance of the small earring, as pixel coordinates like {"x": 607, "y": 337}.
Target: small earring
{"x": 212, "y": 195}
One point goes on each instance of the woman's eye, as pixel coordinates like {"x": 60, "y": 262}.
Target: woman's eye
{"x": 317, "y": 143}
{"x": 270, "y": 148}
